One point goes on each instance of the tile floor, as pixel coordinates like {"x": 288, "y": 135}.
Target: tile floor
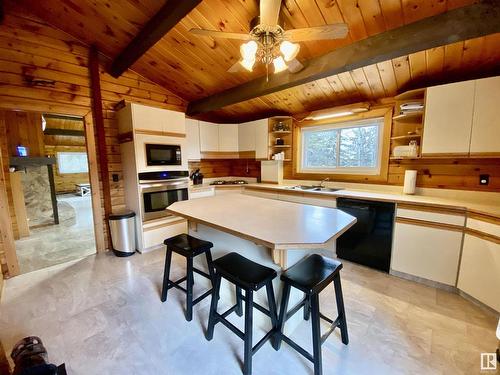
{"x": 103, "y": 315}
{"x": 72, "y": 239}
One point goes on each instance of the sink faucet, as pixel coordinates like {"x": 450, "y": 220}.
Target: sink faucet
{"x": 322, "y": 183}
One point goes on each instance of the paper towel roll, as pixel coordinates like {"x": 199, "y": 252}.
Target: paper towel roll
{"x": 410, "y": 182}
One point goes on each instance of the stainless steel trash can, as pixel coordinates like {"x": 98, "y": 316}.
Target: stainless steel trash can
{"x": 122, "y": 227}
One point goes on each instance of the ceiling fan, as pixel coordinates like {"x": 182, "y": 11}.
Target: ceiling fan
{"x": 268, "y": 42}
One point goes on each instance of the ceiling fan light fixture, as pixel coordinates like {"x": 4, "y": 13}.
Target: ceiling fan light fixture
{"x": 248, "y": 50}
{"x": 248, "y": 64}
{"x": 279, "y": 64}
{"x": 289, "y": 50}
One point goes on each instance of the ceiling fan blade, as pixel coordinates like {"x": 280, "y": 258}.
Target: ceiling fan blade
{"x": 220, "y": 34}
{"x": 269, "y": 12}
{"x": 335, "y": 31}
{"x": 294, "y": 66}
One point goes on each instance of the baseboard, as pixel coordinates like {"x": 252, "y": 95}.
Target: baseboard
{"x": 422, "y": 280}
{"x": 448, "y": 288}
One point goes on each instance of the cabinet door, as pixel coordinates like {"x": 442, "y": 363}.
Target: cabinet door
{"x": 430, "y": 253}
{"x": 175, "y": 122}
{"x": 261, "y": 139}
{"x": 485, "y": 136}
{"x": 228, "y": 137}
{"x": 209, "y": 136}
{"x": 448, "y": 118}
{"x": 480, "y": 270}
{"x": 148, "y": 118}
{"x": 246, "y": 136}
{"x": 192, "y": 139}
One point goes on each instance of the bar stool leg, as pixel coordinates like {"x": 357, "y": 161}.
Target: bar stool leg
{"x": 213, "y": 308}
{"x": 239, "y": 302}
{"x": 166, "y": 274}
{"x": 210, "y": 267}
{"x": 307, "y": 308}
{"x": 247, "y": 356}
{"x": 340, "y": 309}
{"x": 282, "y": 317}
{"x": 272, "y": 304}
{"x": 316, "y": 334}
{"x": 189, "y": 289}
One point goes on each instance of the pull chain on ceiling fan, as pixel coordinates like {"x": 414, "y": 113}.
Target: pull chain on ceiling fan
{"x": 268, "y": 43}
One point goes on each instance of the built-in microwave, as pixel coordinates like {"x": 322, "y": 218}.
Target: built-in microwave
{"x": 159, "y": 154}
{"x": 159, "y": 190}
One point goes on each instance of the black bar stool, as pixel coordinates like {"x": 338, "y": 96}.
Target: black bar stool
{"x": 188, "y": 247}
{"x": 311, "y": 276}
{"x": 249, "y": 276}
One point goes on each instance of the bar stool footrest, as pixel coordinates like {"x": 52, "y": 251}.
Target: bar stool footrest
{"x": 297, "y": 347}
{"x": 333, "y": 325}
{"x": 296, "y": 308}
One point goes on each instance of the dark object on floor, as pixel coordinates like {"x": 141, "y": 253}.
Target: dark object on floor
{"x": 30, "y": 358}
{"x": 311, "y": 275}
{"x": 250, "y": 277}
{"x": 189, "y": 247}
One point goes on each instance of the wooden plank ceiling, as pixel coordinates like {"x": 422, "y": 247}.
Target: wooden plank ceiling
{"x": 194, "y": 67}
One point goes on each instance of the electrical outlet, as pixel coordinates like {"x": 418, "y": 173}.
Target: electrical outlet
{"x": 484, "y": 179}
{"x": 115, "y": 177}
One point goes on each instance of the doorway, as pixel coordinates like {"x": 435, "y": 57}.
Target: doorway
{"x": 50, "y": 190}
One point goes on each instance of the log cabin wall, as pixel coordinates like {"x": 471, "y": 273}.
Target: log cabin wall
{"x": 43, "y": 69}
{"x": 65, "y": 183}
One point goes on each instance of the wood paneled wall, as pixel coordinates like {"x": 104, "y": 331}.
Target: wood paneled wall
{"x": 24, "y": 128}
{"x": 213, "y": 168}
{"x": 31, "y": 50}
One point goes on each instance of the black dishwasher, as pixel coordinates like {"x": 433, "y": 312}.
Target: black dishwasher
{"x": 369, "y": 241}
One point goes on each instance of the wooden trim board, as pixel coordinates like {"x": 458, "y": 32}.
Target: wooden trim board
{"x": 482, "y": 235}
{"x": 431, "y": 208}
{"x": 429, "y": 224}
{"x": 159, "y": 132}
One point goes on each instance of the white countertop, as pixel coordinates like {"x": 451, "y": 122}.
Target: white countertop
{"x": 493, "y": 208}
{"x": 272, "y": 223}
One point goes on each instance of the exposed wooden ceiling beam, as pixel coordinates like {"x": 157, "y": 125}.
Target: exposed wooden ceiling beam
{"x": 456, "y": 25}
{"x": 167, "y": 17}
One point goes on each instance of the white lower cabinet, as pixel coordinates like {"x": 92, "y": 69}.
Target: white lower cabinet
{"x": 426, "y": 252}
{"x": 155, "y": 234}
{"x": 480, "y": 270}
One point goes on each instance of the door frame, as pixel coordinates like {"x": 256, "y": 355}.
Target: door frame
{"x": 97, "y": 211}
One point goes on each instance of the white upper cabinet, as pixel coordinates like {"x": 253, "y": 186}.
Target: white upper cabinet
{"x": 192, "y": 151}
{"x": 228, "y": 137}
{"x": 246, "y": 136}
{"x": 485, "y": 136}
{"x": 448, "y": 119}
{"x": 261, "y": 139}
{"x": 209, "y": 136}
{"x": 157, "y": 119}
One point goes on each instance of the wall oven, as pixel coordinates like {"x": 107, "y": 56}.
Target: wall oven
{"x": 159, "y": 190}
{"x": 160, "y": 154}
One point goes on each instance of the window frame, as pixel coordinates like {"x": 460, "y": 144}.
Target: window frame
{"x": 63, "y": 153}
{"x": 340, "y": 126}
{"x": 346, "y": 173}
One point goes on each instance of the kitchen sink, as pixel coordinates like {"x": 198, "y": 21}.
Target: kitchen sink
{"x": 313, "y": 188}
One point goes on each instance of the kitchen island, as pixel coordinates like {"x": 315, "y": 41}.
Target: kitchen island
{"x": 273, "y": 233}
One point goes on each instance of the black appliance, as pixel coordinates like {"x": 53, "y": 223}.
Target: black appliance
{"x": 157, "y": 154}
{"x": 197, "y": 177}
{"x": 369, "y": 241}
{"x": 159, "y": 190}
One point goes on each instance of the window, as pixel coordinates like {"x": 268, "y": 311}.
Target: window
{"x": 72, "y": 162}
{"x": 352, "y": 147}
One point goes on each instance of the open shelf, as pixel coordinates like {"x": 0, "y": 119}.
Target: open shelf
{"x": 281, "y": 146}
{"x": 404, "y": 157}
{"x": 282, "y": 132}
{"x": 409, "y": 117}
{"x": 409, "y": 136}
